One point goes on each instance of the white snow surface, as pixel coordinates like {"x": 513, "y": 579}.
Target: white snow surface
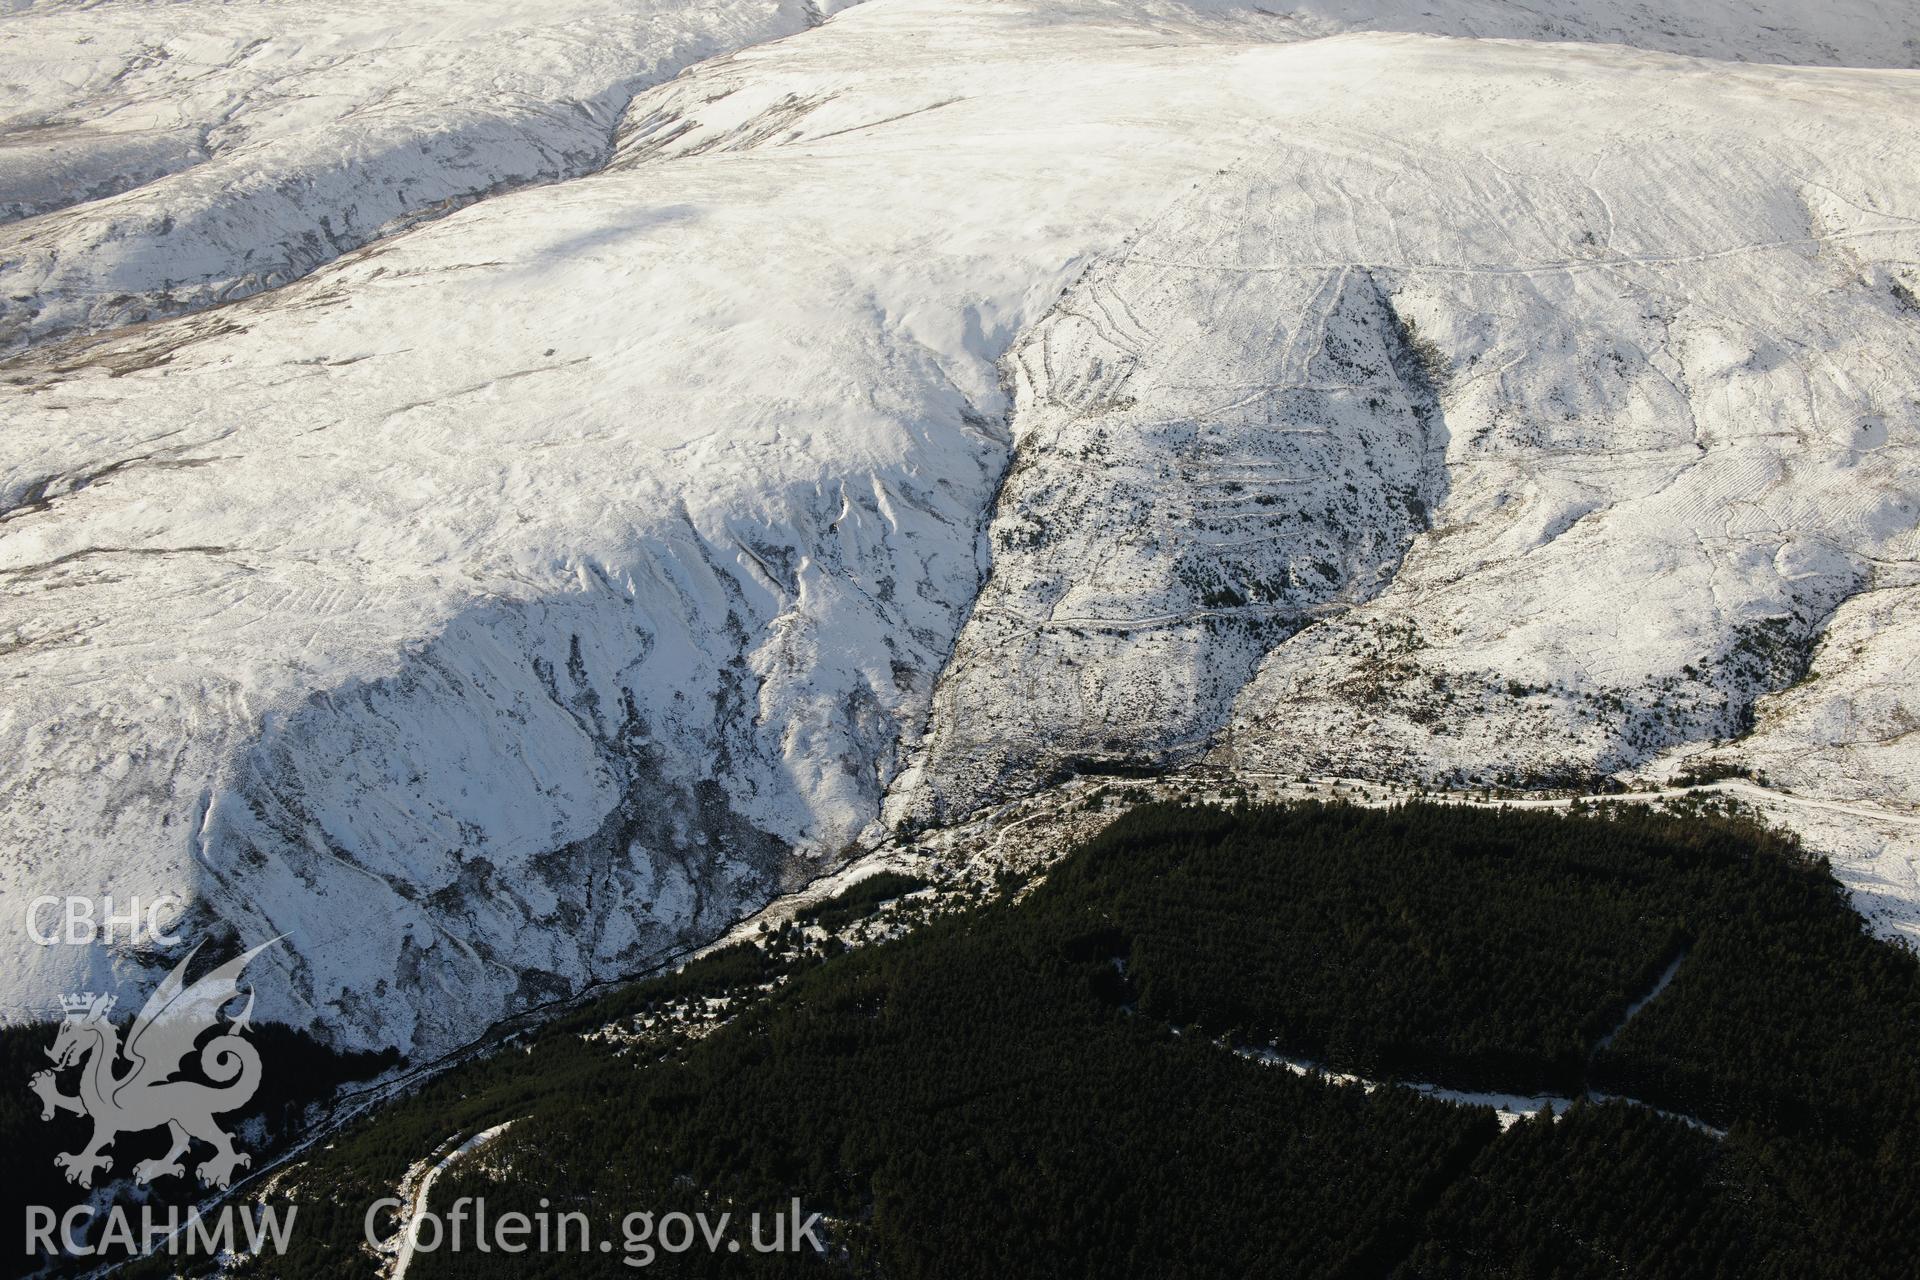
{"x": 511, "y": 599}
{"x": 180, "y": 155}
{"x": 160, "y": 158}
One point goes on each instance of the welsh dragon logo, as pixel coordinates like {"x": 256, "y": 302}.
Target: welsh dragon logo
{"x": 142, "y": 1095}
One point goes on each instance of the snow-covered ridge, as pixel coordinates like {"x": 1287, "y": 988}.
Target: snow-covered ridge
{"x": 156, "y": 159}
{"x": 1849, "y": 33}
{"x": 520, "y": 597}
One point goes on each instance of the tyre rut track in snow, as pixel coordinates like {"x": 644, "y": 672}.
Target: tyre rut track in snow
{"x": 417, "y": 1202}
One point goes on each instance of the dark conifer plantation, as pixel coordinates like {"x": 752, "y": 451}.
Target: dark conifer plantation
{"x": 1049, "y": 1088}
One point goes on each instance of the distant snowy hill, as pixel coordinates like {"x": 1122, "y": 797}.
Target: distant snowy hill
{"x": 1854, "y": 33}
{"x": 160, "y": 159}
{"x": 869, "y": 425}
{"x": 156, "y": 159}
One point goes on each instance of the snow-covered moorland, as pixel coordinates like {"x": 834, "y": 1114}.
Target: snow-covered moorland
{"x": 865, "y": 426}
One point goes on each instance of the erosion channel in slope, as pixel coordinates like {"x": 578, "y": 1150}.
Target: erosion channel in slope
{"x": 1202, "y": 465}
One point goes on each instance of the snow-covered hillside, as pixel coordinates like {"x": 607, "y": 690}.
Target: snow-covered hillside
{"x": 901, "y": 412}
{"x": 183, "y": 155}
